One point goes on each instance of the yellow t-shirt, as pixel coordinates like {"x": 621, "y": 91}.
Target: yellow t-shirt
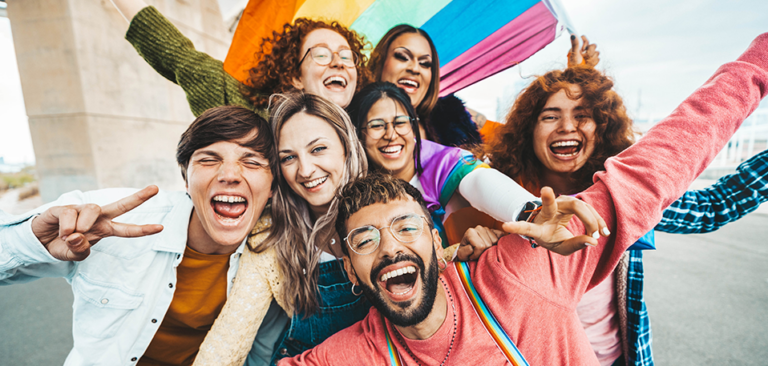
{"x": 201, "y": 290}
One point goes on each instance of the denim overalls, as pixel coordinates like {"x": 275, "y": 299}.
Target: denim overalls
{"x": 339, "y": 309}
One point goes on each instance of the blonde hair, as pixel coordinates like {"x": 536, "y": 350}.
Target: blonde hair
{"x": 296, "y": 239}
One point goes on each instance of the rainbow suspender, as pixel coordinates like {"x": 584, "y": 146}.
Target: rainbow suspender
{"x": 505, "y": 344}
{"x": 492, "y": 326}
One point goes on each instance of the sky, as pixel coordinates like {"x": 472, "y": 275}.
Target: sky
{"x": 657, "y": 51}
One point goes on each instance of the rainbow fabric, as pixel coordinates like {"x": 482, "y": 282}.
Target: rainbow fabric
{"x": 505, "y": 344}
{"x": 474, "y": 39}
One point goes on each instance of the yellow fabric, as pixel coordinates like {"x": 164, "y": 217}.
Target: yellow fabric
{"x": 201, "y": 290}
{"x": 343, "y": 11}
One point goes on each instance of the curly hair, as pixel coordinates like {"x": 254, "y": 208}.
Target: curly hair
{"x": 511, "y": 151}
{"x": 279, "y": 57}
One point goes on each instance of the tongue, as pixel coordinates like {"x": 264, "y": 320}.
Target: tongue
{"x": 231, "y": 210}
{"x": 398, "y": 285}
{"x": 565, "y": 149}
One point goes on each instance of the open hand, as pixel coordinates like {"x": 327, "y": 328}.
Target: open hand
{"x": 68, "y": 232}
{"x": 549, "y": 228}
{"x": 586, "y": 54}
{"x": 475, "y": 241}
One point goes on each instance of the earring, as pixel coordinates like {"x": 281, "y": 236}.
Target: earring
{"x": 356, "y": 293}
{"x": 445, "y": 264}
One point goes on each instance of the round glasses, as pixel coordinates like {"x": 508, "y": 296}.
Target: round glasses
{"x": 378, "y": 127}
{"x": 406, "y": 229}
{"x": 323, "y": 56}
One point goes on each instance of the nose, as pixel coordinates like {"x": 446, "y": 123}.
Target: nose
{"x": 230, "y": 172}
{"x": 413, "y": 66}
{"x": 336, "y": 61}
{"x": 388, "y": 245}
{"x": 567, "y": 124}
{"x": 305, "y": 168}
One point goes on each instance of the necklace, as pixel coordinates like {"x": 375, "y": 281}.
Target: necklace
{"x": 453, "y": 337}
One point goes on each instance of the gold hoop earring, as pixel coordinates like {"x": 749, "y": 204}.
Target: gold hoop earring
{"x": 355, "y": 293}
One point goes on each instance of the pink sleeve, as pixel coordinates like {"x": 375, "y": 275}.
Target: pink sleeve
{"x": 638, "y": 184}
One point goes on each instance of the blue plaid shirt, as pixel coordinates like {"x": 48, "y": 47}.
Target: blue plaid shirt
{"x": 702, "y": 211}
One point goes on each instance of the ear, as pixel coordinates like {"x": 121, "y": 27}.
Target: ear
{"x": 296, "y": 82}
{"x": 438, "y": 242}
{"x": 351, "y": 274}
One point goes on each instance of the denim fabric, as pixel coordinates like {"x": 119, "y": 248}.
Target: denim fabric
{"x": 339, "y": 309}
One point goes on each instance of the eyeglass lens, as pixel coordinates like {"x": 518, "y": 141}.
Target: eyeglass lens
{"x": 324, "y": 56}
{"x": 366, "y": 239}
{"x": 378, "y": 127}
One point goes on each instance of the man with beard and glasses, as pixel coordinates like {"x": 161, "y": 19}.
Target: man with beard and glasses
{"x": 517, "y": 304}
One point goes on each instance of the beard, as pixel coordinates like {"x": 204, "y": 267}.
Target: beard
{"x": 402, "y": 314}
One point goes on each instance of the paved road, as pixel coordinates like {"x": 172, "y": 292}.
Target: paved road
{"x": 707, "y": 295}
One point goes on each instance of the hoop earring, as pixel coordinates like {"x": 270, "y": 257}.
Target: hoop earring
{"x": 355, "y": 293}
{"x": 445, "y": 264}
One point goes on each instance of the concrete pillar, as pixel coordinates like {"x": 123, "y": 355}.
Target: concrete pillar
{"x": 99, "y": 116}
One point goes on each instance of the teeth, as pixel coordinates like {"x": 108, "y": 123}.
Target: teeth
{"x": 335, "y": 78}
{"x": 397, "y": 272}
{"x": 229, "y": 199}
{"x": 408, "y": 82}
{"x": 391, "y": 149}
{"x": 565, "y": 143}
{"x": 316, "y": 182}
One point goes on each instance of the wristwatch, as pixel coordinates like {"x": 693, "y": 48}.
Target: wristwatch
{"x": 528, "y": 214}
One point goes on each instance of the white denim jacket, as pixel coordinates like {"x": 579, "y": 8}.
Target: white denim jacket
{"x": 123, "y": 289}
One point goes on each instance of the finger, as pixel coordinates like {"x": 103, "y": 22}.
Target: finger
{"x": 585, "y": 45}
{"x": 67, "y": 220}
{"x": 573, "y": 53}
{"x": 582, "y": 210}
{"x": 464, "y": 252}
{"x": 485, "y": 237}
{"x": 126, "y": 204}
{"x": 600, "y": 222}
{"x": 574, "y": 244}
{"x": 548, "y": 204}
{"x": 78, "y": 248}
{"x": 134, "y": 231}
{"x": 522, "y": 228}
{"x": 88, "y": 215}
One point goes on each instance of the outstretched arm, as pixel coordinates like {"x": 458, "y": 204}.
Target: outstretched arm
{"x": 732, "y": 197}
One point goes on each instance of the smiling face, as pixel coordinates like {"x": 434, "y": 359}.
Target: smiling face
{"x": 392, "y": 152}
{"x": 311, "y": 159}
{"x": 229, "y": 185}
{"x": 564, "y": 136}
{"x": 409, "y": 65}
{"x": 400, "y": 279}
{"x": 334, "y": 81}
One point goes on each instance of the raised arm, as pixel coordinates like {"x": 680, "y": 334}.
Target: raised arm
{"x": 731, "y": 198}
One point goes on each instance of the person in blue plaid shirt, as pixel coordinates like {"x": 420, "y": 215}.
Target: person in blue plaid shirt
{"x": 560, "y": 132}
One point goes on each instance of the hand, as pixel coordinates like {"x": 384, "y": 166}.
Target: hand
{"x": 549, "y": 228}
{"x": 585, "y": 55}
{"x": 68, "y": 232}
{"x": 476, "y": 241}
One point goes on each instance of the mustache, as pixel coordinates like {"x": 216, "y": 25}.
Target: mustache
{"x": 402, "y": 257}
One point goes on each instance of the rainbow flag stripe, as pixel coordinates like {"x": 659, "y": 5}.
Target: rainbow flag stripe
{"x": 504, "y": 343}
{"x": 474, "y": 39}
{"x": 394, "y": 356}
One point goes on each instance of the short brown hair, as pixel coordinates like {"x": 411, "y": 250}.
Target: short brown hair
{"x": 375, "y": 188}
{"x": 226, "y": 123}
{"x": 279, "y": 58}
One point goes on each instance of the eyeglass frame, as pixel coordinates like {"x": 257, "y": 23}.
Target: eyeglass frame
{"x": 349, "y": 245}
{"x": 411, "y": 120}
{"x": 354, "y": 54}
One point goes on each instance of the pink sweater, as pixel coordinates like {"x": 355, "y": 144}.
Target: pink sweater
{"x": 532, "y": 292}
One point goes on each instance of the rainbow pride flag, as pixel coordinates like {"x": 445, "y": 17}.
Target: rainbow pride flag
{"x": 474, "y": 39}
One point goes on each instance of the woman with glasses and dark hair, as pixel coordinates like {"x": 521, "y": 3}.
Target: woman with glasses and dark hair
{"x": 321, "y": 58}
{"x": 448, "y": 177}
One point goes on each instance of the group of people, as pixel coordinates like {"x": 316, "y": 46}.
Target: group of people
{"x": 330, "y": 218}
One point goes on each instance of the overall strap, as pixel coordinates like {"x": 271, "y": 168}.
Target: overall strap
{"x": 394, "y": 356}
{"x": 492, "y": 326}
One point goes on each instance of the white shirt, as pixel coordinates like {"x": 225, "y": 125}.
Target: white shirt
{"x": 123, "y": 289}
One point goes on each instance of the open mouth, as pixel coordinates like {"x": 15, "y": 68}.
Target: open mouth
{"x": 335, "y": 82}
{"x": 565, "y": 149}
{"x": 391, "y": 151}
{"x": 314, "y": 182}
{"x": 229, "y": 209}
{"x": 400, "y": 282}
{"x": 410, "y": 86}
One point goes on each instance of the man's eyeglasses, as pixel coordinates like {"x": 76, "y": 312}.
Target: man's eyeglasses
{"x": 376, "y": 128}
{"x": 323, "y": 56}
{"x": 406, "y": 229}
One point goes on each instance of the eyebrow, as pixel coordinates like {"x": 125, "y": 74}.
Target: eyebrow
{"x": 308, "y": 144}
{"x": 206, "y": 152}
{"x": 341, "y": 47}
{"x": 551, "y": 109}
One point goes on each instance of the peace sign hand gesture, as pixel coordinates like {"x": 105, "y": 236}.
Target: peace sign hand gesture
{"x": 550, "y": 227}
{"x": 68, "y": 232}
